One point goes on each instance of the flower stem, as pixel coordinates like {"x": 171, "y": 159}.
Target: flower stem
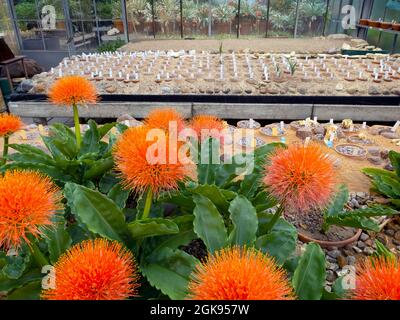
{"x": 5, "y": 149}
{"x": 77, "y": 126}
{"x": 40, "y": 259}
{"x": 275, "y": 218}
{"x": 147, "y": 205}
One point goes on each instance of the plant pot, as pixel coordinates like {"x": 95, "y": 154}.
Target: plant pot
{"x": 329, "y": 244}
{"x": 386, "y": 25}
{"x": 364, "y": 22}
{"x": 375, "y": 24}
{"x": 119, "y": 25}
{"x": 396, "y": 26}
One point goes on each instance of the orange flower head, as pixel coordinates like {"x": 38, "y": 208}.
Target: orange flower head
{"x": 300, "y": 177}
{"x": 146, "y": 163}
{"x": 162, "y": 118}
{"x": 207, "y": 126}
{"x": 94, "y": 270}
{"x": 378, "y": 278}
{"x": 9, "y": 123}
{"x": 71, "y": 90}
{"x": 28, "y": 200}
{"x": 239, "y": 274}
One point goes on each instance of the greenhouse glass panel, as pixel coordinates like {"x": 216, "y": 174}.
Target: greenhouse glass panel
{"x": 311, "y": 18}
{"x": 282, "y": 18}
{"x": 167, "y": 19}
{"x": 224, "y": 19}
{"x": 253, "y": 17}
{"x": 140, "y": 19}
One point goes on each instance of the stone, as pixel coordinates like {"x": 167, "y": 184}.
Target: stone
{"x": 351, "y": 260}
{"x": 332, "y": 266}
{"x": 339, "y": 87}
{"x": 375, "y": 160}
{"x": 397, "y": 235}
{"x": 357, "y": 249}
{"x": 368, "y": 251}
{"x": 374, "y": 151}
{"x": 334, "y": 253}
{"x": 302, "y": 90}
{"x": 390, "y": 135}
{"x": 395, "y": 91}
{"x": 330, "y": 275}
{"x": 303, "y": 133}
{"x": 111, "y": 89}
{"x": 355, "y": 203}
{"x": 364, "y": 236}
{"x": 374, "y": 91}
{"x": 25, "y": 86}
{"x": 385, "y": 154}
{"x": 338, "y": 36}
{"x": 342, "y": 261}
{"x": 272, "y": 91}
{"x": 125, "y": 117}
{"x": 40, "y": 88}
{"x": 389, "y": 232}
{"x": 165, "y": 90}
{"x": 360, "y": 244}
{"x": 389, "y": 167}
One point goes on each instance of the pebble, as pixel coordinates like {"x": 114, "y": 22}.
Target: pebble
{"x": 368, "y": 250}
{"x": 339, "y": 87}
{"x": 397, "y": 235}
{"x": 360, "y": 244}
{"x": 334, "y": 253}
{"x": 303, "y": 133}
{"x": 364, "y": 236}
{"x": 389, "y": 167}
{"x": 375, "y": 160}
{"x": 330, "y": 276}
{"x": 373, "y": 90}
{"x": 390, "y": 135}
{"x": 332, "y": 266}
{"x": 351, "y": 260}
{"x": 357, "y": 249}
{"x": 374, "y": 151}
{"x": 389, "y": 232}
{"x": 355, "y": 203}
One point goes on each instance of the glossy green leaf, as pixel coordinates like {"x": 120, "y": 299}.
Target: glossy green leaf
{"x": 309, "y": 276}
{"x": 338, "y": 202}
{"x": 395, "y": 161}
{"x": 96, "y": 211}
{"x": 245, "y": 222}
{"x": 209, "y": 224}
{"x": 152, "y": 227}
{"x": 208, "y": 162}
{"x": 58, "y": 240}
{"x": 119, "y": 195}
{"x": 213, "y": 193}
{"x": 280, "y": 242}
{"x": 30, "y": 291}
{"x": 7, "y": 284}
{"x": 16, "y": 265}
{"x": 99, "y": 168}
{"x": 170, "y": 272}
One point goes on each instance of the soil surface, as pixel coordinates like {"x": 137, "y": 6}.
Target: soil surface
{"x": 310, "y": 45}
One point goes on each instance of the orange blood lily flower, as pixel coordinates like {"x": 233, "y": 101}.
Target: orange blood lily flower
{"x": 144, "y": 168}
{"x": 239, "y": 274}
{"x": 9, "y": 124}
{"x": 378, "y": 278}
{"x": 300, "y": 177}
{"x": 162, "y": 118}
{"x": 72, "y": 90}
{"x": 94, "y": 270}
{"x": 28, "y": 200}
{"x": 207, "y": 126}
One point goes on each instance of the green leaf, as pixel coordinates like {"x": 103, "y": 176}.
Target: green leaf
{"x": 245, "y": 222}
{"x": 280, "y": 242}
{"x": 30, "y": 291}
{"x": 99, "y": 168}
{"x": 170, "y": 272}
{"x": 263, "y": 201}
{"x": 91, "y": 138}
{"x": 382, "y": 251}
{"x": 338, "y": 292}
{"x": 209, "y": 153}
{"x": 152, "y": 227}
{"x": 119, "y": 195}
{"x": 309, "y": 276}
{"x": 105, "y": 128}
{"x": 359, "y": 218}
{"x": 97, "y": 212}
{"x": 338, "y": 202}
{"x": 395, "y": 161}
{"x": 7, "y": 284}
{"x": 107, "y": 181}
{"x": 121, "y": 127}
{"x": 16, "y": 265}
{"x": 58, "y": 241}
{"x": 213, "y": 193}
{"x": 208, "y": 223}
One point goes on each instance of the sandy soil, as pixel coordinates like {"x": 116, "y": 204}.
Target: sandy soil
{"x": 312, "y": 45}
